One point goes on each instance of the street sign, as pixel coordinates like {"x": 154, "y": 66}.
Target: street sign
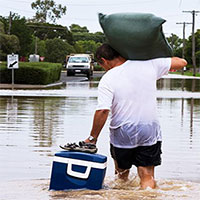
{"x": 13, "y": 61}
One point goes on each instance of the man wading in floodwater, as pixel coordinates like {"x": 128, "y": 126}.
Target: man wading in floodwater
{"x": 128, "y": 90}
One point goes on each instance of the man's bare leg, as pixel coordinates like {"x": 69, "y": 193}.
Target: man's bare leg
{"x": 146, "y": 175}
{"x": 122, "y": 173}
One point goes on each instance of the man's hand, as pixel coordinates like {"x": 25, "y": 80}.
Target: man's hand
{"x": 91, "y": 139}
{"x": 178, "y": 63}
{"x": 88, "y": 141}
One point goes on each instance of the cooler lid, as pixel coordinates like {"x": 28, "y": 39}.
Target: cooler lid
{"x": 82, "y": 156}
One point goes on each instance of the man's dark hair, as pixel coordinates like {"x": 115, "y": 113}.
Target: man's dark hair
{"x": 107, "y": 52}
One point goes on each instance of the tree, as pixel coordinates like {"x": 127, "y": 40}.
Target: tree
{"x": 188, "y": 48}
{"x": 47, "y": 9}
{"x": 9, "y": 45}
{"x": 176, "y": 44}
{"x": 21, "y": 30}
{"x": 99, "y": 37}
{"x": 89, "y": 46}
{"x": 1, "y": 32}
{"x": 2, "y": 28}
{"x": 57, "y": 49}
{"x": 75, "y": 28}
{"x": 82, "y": 33}
{"x": 5, "y": 22}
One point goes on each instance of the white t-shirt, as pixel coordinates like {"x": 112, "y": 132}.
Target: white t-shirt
{"x": 129, "y": 91}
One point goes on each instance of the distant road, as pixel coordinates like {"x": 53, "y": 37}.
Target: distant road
{"x": 79, "y": 77}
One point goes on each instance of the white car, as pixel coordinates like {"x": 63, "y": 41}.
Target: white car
{"x": 80, "y": 64}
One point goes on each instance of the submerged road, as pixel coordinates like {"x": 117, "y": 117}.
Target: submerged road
{"x": 98, "y": 74}
{"x": 80, "y": 77}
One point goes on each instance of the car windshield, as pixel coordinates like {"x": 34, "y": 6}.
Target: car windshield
{"x": 78, "y": 60}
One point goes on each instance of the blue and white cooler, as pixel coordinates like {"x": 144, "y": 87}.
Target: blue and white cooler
{"x": 77, "y": 170}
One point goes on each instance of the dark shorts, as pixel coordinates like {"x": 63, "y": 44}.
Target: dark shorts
{"x": 139, "y": 156}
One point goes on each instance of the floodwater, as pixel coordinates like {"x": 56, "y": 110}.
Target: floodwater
{"x": 33, "y": 123}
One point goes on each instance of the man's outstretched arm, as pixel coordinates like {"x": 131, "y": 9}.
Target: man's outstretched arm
{"x": 99, "y": 120}
{"x": 178, "y": 63}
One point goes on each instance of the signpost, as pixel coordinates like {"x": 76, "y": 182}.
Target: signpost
{"x": 13, "y": 63}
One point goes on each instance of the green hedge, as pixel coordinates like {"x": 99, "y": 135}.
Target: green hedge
{"x": 31, "y": 73}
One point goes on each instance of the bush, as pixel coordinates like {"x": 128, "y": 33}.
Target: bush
{"x": 32, "y": 73}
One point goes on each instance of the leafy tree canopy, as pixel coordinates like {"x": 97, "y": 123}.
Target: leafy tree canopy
{"x": 23, "y": 32}
{"x": 57, "y": 49}
{"x": 188, "y": 48}
{"x": 75, "y": 28}
{"x": 175, "y": 42}
{"x": 82, "y": 33}
{"x": 9, "y": 45}
{"x": 47, "y": 9}
{"x": 20, "y": 29}
{"x": 89, "y": 46}
{"x": 2, "y": 28}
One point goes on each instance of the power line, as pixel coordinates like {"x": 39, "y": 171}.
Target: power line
{"x": 193, "y": 12}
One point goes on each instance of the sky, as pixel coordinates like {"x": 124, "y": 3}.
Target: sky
{"x": 85, "y": 12}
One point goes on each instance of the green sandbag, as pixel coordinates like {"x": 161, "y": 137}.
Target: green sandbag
{"x": 136, "y": 36}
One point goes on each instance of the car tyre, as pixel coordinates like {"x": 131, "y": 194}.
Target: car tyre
{"x": 70, "y": 74}
{"x": 88, "y": 75}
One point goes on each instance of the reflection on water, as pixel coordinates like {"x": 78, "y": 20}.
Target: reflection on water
{"x": 32, "y": 128}
{"x": 82, "y": 85}
{"x": 179, "y": 84}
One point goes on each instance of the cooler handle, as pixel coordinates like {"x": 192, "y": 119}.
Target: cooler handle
{"x": 78, "y": 174}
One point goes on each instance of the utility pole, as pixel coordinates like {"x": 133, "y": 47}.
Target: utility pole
{"x": 193, "y": 39}
{"x": 183, "y": 50}
{"x": 36, "y": 46}
{"x": 10, "y": 23}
